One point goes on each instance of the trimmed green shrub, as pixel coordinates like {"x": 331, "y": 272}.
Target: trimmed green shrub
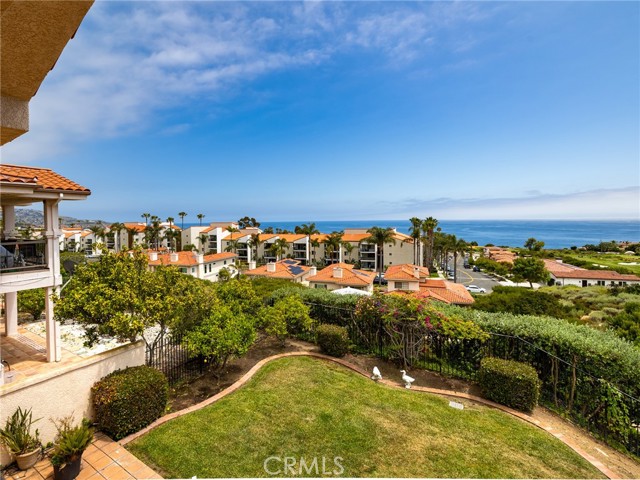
{"x": 510, "y": 383}
{"x": 333, "y": 340}
{"x": 128, "y": 400}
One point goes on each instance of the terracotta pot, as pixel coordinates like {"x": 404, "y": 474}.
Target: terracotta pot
{"x": 68, "y": 471}
{"x": 28, "y": 460}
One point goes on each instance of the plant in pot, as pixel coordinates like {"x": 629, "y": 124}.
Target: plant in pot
{"x": 71, "y": 441}
{"x": 17, "y": 437}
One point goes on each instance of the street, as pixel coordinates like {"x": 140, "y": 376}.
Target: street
{"x": 467, "y": 276}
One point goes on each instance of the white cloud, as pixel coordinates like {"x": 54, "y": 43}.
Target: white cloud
{"x": 609, "y": 204}
{"x": 131, "y": 61}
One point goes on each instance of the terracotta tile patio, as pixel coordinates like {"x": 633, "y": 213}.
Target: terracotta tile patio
{"x": 103, "y": 460}
{"x": 26, "y": 354}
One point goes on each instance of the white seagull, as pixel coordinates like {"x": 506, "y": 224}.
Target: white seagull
{"x": 376, "y": 374}
{"x": 407, "y": 379}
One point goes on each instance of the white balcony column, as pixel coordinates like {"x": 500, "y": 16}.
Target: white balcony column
{"x": 52, "y": 235}
{"x": 9, "y": 216}
{"x": 340, "y": 253}
{"x": 54, "y": 350}
{"x": 11, "y": 313}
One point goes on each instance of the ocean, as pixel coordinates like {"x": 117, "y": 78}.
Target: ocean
{"x": 512, "y": 233}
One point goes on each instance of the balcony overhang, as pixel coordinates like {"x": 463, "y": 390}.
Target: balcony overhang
{"x": 33, "y": 34}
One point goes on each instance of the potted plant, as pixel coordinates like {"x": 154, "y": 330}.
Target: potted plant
{"x": 71, "y": 441}
{"x": 17, "y": 437}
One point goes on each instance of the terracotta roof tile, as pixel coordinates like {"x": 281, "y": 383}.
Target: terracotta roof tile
{"x": 405, "y": 271}
{"x": 350, "y": 276}
{"x": 190, "y": 259}
{"x": 443, "y": 291}
{"x": 43, "y": 178}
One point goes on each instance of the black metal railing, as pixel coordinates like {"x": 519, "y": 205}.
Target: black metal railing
{"x": 21, "y": 255}
{"x": 594, "y": 403}
{"x": 170, "y": 355}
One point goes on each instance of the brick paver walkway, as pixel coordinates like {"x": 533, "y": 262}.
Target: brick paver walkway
{"x": 103, "y": 460}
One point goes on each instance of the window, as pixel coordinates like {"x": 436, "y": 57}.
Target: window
{"x": 193, "y": 270}
{"x": 601, "y": 283}
{"x": 183, "y": 270}
{"x": 401, "y": 285}
{"x": 320, "y": 285}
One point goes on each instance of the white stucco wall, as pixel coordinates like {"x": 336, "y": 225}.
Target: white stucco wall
{"x": 66, "y": 391}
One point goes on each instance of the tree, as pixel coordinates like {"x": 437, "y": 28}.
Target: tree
{"x": 268, "y": 230}
{"x": 119, "y": 296}
{"x": 289, "y": 315}
{"x": 32, "y": 301}
{"x": 254, "y": 242}
{"x": 529, "y": 269}
{"x": 348, "y": 248}
{"x": 248, "y": 222}
{"x": 533, "y": 245}
{"x": 379, "y": 236}
{"x": 146, "y": 217}
{"x": 182, "y": 215}
{"x": 415, "y": 231}
{"x": 428, "y": 227}
{"x": 200, "y": 217}
{"x": 333, "y": 244}
{"x": 131, "y": 234}
{"x": 279, "y": 248}
{"x": 458, "y": 245}
{"x": 116, "y": 228}
{"x": 306, "y": 229}
{"x": 203, "y": 238}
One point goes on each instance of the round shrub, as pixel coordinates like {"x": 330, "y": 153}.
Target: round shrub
{"x": 128, "y": 400}
{"x": 510, "y": 383}
{"x": 333, "y": 340}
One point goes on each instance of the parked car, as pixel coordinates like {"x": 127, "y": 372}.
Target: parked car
{"x": 476, "y": 268}
{"x": 466, "y": 265}
{"x": 475, "y": 289}
{"x": 450, "y": 276}
{"x": 378, "y": 280}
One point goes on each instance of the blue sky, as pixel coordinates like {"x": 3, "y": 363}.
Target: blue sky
{"x": 346, "y": 110}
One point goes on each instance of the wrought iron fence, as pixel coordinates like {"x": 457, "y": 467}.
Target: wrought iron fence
{"x": 171, "y": 356}
{"x": 567, "y": 385}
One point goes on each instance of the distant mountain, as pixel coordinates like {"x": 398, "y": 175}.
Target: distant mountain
{"x": 28, "y": 216}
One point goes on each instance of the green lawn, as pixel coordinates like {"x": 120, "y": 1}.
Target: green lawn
{"x": 307, "y": 408}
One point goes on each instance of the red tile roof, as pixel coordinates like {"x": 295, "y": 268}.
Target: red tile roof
{"x": 566, "y": 270}
{"x": 405, "y": 271}
{"x": 441, "y": 290}
{"x": 188, "y": 259}
{"x": 41, "y": 178}
{"x": 350, "y": 276}
{"x": 287, "y": 269}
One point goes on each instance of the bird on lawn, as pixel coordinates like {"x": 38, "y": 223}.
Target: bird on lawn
{"x": 376, "y": 374}
{"x": 407, "y": 379}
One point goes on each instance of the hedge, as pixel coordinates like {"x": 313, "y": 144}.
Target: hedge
{"x": 333, "y": 340}
{"x": 510, "y": 383}
{"x": 128, "y": 400}
{"x": 602, "y": 354}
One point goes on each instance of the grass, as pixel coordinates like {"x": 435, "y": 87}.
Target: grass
{"x": 305, "y": 408}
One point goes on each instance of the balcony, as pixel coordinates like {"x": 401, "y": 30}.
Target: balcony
{"x": 23, "y": 255}
{"x": 367, "y": 256}
{"x": 367, "y": 248}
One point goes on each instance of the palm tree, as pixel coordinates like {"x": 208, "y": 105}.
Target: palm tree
{"x": 182, "y": 215}
{"x": 313, "y": 243}
{"x": 203, "y": 238}
{"x": 415, "y": 231}
{"x": 333, "y": 244}
{"x": 348, "y": 248}
{"x": 428, "y": 227}
{"x": 307, "y": 229}
{"x": 116, "y": 228}
{"x": 379, "y": 236}
{"x": 279, "y": 247}
{"x": 254, "y": 242}
{"x": 131, "y": 232}
{"x": 170, "y": 220}
{"x": 98, "y": 231}
{"x": 232, "y": 246}
{"x": 146, "y": 217}
{"x": 200, "y": 217}
{"x": 170, "y": 235}
{"x": 457, "y": 246}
